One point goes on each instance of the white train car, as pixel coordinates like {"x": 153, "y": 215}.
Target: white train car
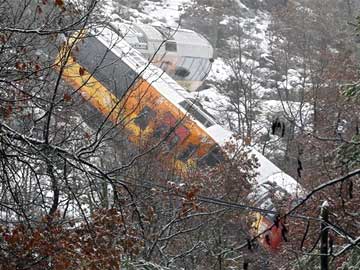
{"x": 183, "y": 54}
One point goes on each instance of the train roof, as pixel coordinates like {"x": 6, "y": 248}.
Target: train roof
{"x": 189, "y": 43}
{"x": 268, "y": 172}
{"x": 192, "y": 44}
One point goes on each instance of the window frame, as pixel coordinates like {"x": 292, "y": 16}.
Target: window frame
{"x": 146, "y": 115}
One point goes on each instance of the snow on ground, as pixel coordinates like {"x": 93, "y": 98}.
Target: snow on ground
{"x": 108, "y": 8}
{"x": 219, "y": 70}
{"x": 262, "y": 24}
{"x": 167, "y": 11}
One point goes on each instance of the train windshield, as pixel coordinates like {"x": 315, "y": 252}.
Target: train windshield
{"x": 192, "y": 68}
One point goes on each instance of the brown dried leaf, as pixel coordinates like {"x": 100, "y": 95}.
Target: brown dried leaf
{"x": 38, "y": 10}
{"x": 2, "y": 39}
{"x": 87, "y": 136}
{"x": 81, "y": 71}
{"x": 59, "y": 3}
{"x": 67, "y": 97}
{"x": 18, "y": 65}
{"x": 8, "y": 111}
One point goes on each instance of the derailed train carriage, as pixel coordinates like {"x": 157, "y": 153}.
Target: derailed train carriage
{"x": 183, "y": 54}
{"x": 116, "y": 79}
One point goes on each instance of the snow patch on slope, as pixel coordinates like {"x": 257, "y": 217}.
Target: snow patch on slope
{"x": 219, "y": 70}
{"x": 167, "y": 11}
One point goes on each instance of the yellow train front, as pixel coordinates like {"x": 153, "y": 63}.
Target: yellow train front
{"x": 115, "y": 79}
{"x": 269, "y": 224}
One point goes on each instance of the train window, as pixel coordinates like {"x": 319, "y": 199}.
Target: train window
{"x": 187, "y": 63}
{"x": 182, "y": 72}
{"x": 188, "y": 152}
{"x": 182, "y": 132}
{"x": 196, "y": 68}
{"x": 142, "y": 120}
{"x": 178, "y": 136}
{"x": 168, "y": 121}
{"x": 196, "y": 113}
{"x": 172, "y": 141}
{"x": 213, "y": 158}
{"x": 200, "y": 74}
{"x": 170, "y": 46}
{"x": 205, "y": 69}
{"x": 199, "y": 105}
{"x": 160, "y": 131}
{"x": 178, "y": 132}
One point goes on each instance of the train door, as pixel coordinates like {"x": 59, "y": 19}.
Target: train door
{"x": 170, "y": 130}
